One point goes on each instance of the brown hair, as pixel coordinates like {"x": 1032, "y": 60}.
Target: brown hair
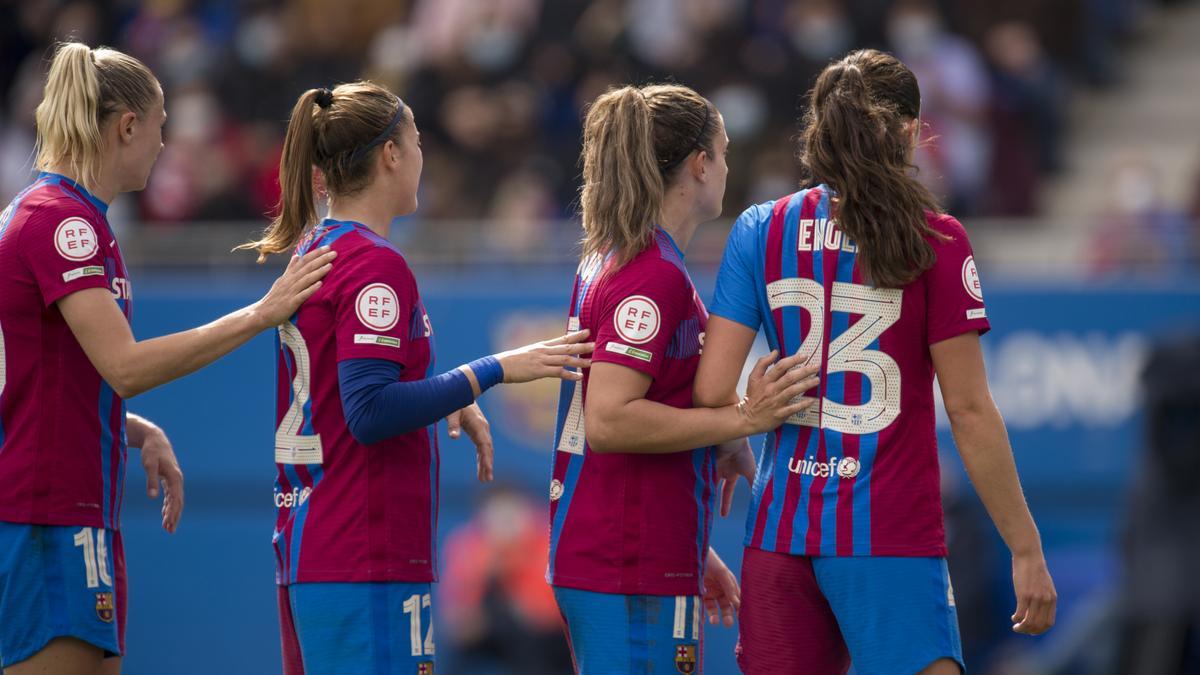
{"x": 634, "y": 140}
{"x": 84, "y": 87}
{"x": 855, "y": 142}
{"x": 337, "y": 132}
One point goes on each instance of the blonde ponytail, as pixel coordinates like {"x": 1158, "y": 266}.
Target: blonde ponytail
{"x": 634, "y": 142}
{"x": 83, "y": 88}
{"x": 68, "y": 118}
{"x": 622, "y": 186}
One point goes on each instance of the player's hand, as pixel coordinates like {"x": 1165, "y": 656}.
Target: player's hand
{"x": 300, "y": 280}
{"x": 773, "y": 391}
{"x": 734, "y": 460}
{"x": 158, "y": 459}
{"x": 1037, "y": 601}
{"x": 471, "y": 419}
{"x": 551, "y": 358}
{"x": 722, "y": 596}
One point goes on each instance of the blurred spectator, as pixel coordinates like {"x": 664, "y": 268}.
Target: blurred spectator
{"x": 954, "y": 100}
{"x": 1138, "y": 230}
{"x": 1027, "y": 117}
{"x": 500, "y": 86}
{"x": 1161, "y": 593}
{"x": 495, "y": 602}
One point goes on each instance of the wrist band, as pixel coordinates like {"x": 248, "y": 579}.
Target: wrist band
{"x": 488, "y": 372}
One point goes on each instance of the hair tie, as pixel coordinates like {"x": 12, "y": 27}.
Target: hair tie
{"x": 383, "y": 135}
{"x": 324, "y": 97}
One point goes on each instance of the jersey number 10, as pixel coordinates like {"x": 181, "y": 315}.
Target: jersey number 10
{"x": 848, "y": 352}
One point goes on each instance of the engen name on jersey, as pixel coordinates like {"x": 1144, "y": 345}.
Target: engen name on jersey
{"x": 823, "y": 233}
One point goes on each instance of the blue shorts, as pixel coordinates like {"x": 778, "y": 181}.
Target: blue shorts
{"x": 356, "y": 628}
{"x": 60, "y": 581}
{"x": 817, "y": 615}
{"x": 632, "y": 634}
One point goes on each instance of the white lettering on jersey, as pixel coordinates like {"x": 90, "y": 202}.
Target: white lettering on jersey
{"x": 75, "y": 239}
{"x": 637, "y": 319}
{"x": 377, "y": 307}
{"x": 121, "y": 289}
{"x": 822, "y": 232}
{"x": 846, "y": 467}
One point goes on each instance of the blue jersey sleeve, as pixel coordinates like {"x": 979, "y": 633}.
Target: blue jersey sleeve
{"x": 739, "y": 281}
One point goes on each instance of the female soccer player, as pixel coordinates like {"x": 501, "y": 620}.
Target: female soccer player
{"x": 68, "y": 361}
{"x": 634, "y": 470}
{"x": 358, "y": 401}
{"x": 845, "y": 547}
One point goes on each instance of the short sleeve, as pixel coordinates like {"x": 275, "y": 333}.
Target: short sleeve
{"x": 375, "y": 299}
{"x": 736, "y": 295}
{"x": 639, "y": 311}
{"x": 65, "y": 250}
{"x": 954, "y": 295}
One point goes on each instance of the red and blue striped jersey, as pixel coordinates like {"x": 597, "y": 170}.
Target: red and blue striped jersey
{"x": 857, "y": 473}
{"x": 346, "y": 511}
{"x": 621, "y": 522}
{"x": 62, "y": 428}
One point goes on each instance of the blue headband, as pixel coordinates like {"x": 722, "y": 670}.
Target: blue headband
{"x": 383, "y": 136}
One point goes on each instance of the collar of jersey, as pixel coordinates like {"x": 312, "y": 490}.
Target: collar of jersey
{"x": 59, "y": 178}
{"x": 672, "y": 240}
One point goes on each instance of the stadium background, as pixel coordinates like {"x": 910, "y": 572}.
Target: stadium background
{"x": 1064, "y": 138}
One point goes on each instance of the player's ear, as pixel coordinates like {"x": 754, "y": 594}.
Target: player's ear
{"x": 125, "y": 126}
{"x": 389, "y": 153}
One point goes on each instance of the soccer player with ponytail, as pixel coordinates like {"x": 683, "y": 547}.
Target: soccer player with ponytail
{"x": 68, "y": 361}
{"x": 635, "y": 468}
{"x": 845, "y": 558}
{"x": 358, "y": 400}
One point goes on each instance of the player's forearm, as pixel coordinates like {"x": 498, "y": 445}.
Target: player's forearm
{"x": 138, "y": 430}
{"x": 642, "y": 426}
{"x": 150, "y": 363}
{"x": 983, "y": 444}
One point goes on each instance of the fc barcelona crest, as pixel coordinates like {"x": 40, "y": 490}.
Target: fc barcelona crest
{"x": 685, "y": 658}
{"x": 425, "y": 668}
{"x": 104, "y": 606}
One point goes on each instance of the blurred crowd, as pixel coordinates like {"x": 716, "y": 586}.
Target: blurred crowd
{"x": 498, "y": 87}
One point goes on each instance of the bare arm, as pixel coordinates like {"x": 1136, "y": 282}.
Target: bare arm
{"x": 983, "y": 444}
{"x": 131, "y": 367}
{"x": 726, "y": 346}
{"x": 617, "y": 416}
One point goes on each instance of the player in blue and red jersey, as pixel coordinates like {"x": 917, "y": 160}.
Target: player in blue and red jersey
{"x": 635, "y": 468}
{"x": 68, "y": 361}
{"x": 358, "y": 398}
{"x": 845, "y": 545}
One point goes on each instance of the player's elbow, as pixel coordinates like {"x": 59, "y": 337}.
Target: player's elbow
{"x": 704, "y": 396}
{"x": 601, "y": 432}
{"x": 126, "y": 382}
{"x": 969, "y": 410}
{"x": 363, "y": 431}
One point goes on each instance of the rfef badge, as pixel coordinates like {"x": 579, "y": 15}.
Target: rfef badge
{"x": 685, "y": 658}
{"x": 104, "y": 606}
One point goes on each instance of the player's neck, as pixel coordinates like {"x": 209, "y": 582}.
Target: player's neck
{"x": 680, "y": 220}
{"x": 104, "y": 191}
{"x": 377, "y": 217}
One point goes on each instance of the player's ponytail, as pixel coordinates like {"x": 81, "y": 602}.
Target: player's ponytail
{"x": 634, "y": 140}
{"x": 337, "y": 132}
{"x": 297, "y": 204}
{"x": 856, "y": 143}
{"x": 83, "y": 88}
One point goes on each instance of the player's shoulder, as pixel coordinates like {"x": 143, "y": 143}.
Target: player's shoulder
{"x": 659, "y": 262}
{"x": 50, "y": 205}
{"x": 756, "y": 217}
{"x": 946, "y": 225}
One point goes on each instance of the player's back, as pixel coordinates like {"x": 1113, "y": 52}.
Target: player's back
{"x": 623, "y": 522}
{"x": 62, "y": 440}
{"x": 348, "y": 511}
{"x": 856, "y": 473}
